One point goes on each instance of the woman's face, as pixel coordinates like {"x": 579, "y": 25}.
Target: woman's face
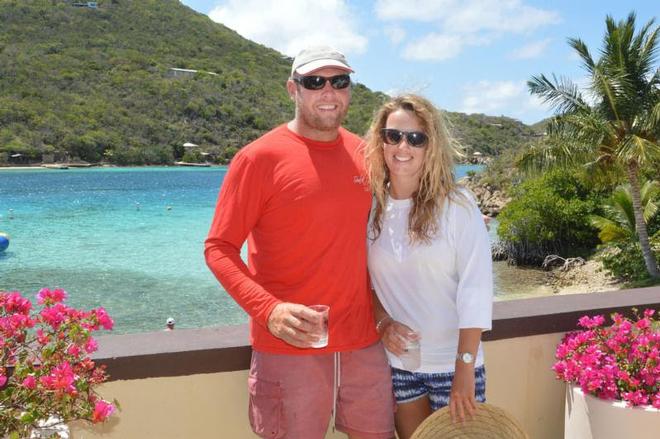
{"x": 404, "y": 161}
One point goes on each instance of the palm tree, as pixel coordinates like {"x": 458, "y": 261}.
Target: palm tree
{"x": 619, "y": 223}
{"x": 619, "y": 126}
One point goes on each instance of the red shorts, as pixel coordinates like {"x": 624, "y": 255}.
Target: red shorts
{"x": 291, "y": 396}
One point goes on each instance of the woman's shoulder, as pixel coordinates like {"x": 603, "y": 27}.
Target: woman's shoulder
{"x": 461, "y": 204}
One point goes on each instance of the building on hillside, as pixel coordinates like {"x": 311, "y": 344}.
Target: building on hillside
{"x": 175, "y": 72}
{"x": 181, "y": 73}
{"x": 91, "y": 5}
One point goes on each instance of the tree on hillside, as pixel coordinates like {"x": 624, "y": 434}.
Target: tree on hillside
{"x": 619, "y": 127}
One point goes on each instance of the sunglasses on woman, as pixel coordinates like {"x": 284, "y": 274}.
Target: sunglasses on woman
{"x": 415, "y": 139}
{"x": 315, "y": 82}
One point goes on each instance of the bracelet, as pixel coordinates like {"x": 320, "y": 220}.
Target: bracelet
{"x": 381, "y": 321}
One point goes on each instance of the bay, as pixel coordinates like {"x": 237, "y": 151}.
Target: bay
{"x": 128, "y": 239}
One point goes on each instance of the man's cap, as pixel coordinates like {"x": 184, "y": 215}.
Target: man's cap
{"x": 170, "y": 321}
{"x": 318, "y": 57}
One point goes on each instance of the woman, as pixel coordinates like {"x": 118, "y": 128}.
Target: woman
{"x": 430, "y": 264}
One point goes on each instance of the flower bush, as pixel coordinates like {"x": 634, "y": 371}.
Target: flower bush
{"x": 621, "y": 361}
{"x": 45, "y": 368}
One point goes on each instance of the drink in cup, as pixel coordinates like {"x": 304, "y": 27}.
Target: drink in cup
{"x": 322, "y": 329}
{"x": 412, "y": 356}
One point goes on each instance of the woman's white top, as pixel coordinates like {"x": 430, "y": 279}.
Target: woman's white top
{"x": 435, "y": 288}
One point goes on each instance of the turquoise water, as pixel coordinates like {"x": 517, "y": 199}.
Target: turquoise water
{"x": 128, "y": 239}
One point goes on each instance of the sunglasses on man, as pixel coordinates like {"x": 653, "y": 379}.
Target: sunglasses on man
{"x": 315, "y": 82}
{"x": 416, "y": 139}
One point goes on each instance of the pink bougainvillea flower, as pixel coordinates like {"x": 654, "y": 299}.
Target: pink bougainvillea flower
{"x": 13, "y": 302}
{"x": 103, "y": 318}
{"x": 51, "y": 297}
{"x": 102, "y": 410}
{"x": 73, "y": 350}
{"x": 61, "y": 379}
{"x": 48, "y": 350}
{"x": 30, "y": 382}
{"x": 620, "y": 362}
{"x": 91, "y": 345}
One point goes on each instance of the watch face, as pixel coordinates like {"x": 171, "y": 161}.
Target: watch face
{"x": 466, "y": 357}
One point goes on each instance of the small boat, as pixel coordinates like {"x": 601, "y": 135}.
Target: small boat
{"x": 54, "y": 166}
{"x": 201, "y": 165}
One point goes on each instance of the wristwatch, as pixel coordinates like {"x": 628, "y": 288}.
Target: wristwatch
{"x": 465, "y": 357}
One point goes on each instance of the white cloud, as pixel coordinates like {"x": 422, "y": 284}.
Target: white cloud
{"x": 417, "y": 10}
{"x": 461, "y": 23}
{"x": 396, "y": 34}
{"x": 510, "y": 16}
{"x": 500, "y": 97}
{"x": 291, "y": 25}
{"x": 531, "y": 50}
{"x": 468, "y": 16}
{"x": 434, "y": 47}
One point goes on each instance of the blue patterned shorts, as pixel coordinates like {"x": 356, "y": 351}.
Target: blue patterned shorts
{"x": 409, "y": 386}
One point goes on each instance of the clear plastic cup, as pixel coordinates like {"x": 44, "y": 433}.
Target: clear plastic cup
{"x": 411, "y": 358}
{"x": 322, "y": 329}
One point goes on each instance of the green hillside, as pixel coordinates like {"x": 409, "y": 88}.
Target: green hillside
{"x": 490, "y": 135}
{"x": 96, "y": 84}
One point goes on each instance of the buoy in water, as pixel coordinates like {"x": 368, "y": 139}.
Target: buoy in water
{"x": 4, "y": 241}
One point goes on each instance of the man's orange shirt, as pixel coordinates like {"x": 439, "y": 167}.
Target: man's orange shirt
{"x": 303, "y": 207}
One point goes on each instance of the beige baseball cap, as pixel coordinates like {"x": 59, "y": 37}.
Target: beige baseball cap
{"x": 318, "y": 57}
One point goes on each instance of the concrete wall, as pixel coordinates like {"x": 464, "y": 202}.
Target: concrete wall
{"x": 215, "y": 405}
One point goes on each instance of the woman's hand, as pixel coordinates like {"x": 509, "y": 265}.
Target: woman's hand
{"x": 395, "y": 336}
{"x": 462, "y": 403}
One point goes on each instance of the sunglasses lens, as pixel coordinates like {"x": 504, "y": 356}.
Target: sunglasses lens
{"x": 391, "y": 137}
{"x": 340, "y": 81}
{"x": 316, "y": 82}
{"x": 413, "y": 138}
{"x": 416, "y": 138}
{"x": 312, "y": 82}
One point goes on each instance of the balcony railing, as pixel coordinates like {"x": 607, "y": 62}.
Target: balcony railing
{"x": 192, "y": 383}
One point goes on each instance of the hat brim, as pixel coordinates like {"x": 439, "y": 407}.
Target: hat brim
{"x": 321, "y": 64}
{"x": 489, "y": 422}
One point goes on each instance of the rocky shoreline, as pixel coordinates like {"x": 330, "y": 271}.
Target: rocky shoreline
{"x": 489, "y": 199}
{"x": 582, "y": 277}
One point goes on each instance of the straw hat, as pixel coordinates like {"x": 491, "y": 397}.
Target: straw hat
{"x": 489, "y": 422}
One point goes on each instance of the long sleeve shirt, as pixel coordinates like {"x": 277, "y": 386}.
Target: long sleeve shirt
{"x": 302, "y": 205}
{"x": 435, "y": 288}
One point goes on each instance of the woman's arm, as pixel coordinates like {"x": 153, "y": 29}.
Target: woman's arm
{"x": 461, "y": 399}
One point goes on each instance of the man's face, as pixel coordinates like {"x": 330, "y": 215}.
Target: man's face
{"x": 320, "y": 110}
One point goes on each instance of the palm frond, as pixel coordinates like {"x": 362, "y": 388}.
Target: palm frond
{"x": 620, "y": 207}
{"x": 583, "y": 51}
{"x": 609, "y": 231}
{"x": 650, "y": 192}
{"x": 562, "y": 94}
{"x": 639, "y": 149}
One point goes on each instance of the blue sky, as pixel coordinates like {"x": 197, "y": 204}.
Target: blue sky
{"x": 473, "y": 56}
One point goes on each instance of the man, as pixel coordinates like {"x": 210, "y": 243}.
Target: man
{"x": 298, "y": 194}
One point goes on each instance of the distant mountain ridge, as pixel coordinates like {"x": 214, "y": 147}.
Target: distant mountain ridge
{"x": 96, "y": 83}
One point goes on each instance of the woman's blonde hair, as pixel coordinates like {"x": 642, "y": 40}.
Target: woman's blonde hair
{"x": 437, "y": 177}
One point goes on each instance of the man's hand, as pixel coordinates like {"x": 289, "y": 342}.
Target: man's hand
{"x": 294, "y": 323}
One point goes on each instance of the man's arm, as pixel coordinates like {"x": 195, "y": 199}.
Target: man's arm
{"x": 238, "y": 209}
